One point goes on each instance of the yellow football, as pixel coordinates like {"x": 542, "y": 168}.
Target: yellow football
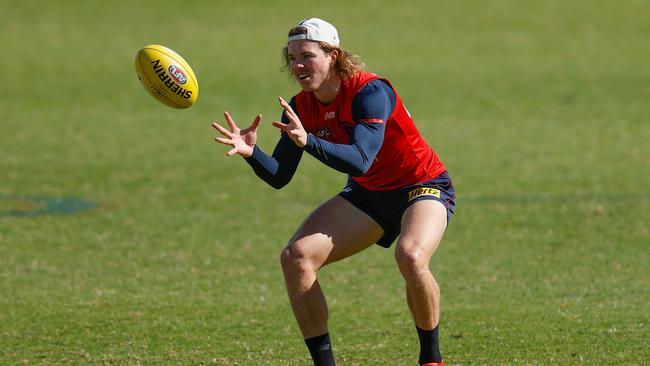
{"x": 167, "y": 76}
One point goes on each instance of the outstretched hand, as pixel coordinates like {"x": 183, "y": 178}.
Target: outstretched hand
{"x": 242, "y": 141}
{"x": 294, "y": 128}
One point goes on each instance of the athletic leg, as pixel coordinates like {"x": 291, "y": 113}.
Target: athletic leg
{"x": 334, "y": 231}
{"x": 423, "y": 225}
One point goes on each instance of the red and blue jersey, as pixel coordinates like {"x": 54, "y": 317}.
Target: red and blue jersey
{"x": 365, "y": 132}
{"x": 404, "y": 158}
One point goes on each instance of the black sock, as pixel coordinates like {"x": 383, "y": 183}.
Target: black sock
{"x": 429, "y": 348}
{"x": 320, "y": 348}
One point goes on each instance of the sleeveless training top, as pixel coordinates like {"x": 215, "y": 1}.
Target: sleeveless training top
{"x": 404, "y": 158}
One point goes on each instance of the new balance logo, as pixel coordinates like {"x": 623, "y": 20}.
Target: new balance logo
{"x": 330, "y": 115}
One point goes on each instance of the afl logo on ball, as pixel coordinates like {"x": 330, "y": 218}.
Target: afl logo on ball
{"x": 177, "y": 74}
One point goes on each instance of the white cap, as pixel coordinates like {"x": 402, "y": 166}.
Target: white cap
{"x": 317, "y": 30}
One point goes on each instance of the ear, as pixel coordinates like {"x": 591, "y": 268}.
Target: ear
{"x": 334, "y": 55}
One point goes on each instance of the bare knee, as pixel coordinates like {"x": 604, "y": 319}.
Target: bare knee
{"x": 295, "y": 259}
{"x": 411, "y": 259}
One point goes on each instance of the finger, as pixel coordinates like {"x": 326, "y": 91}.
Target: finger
{"x": 221, "y": 129}
{"x": 288, "y": 110}
{"x": 293, "y": 119}
{"x": 224, "y": 141}
{"x": 232, "y": 151}
{"x": 256, "y": 122}
{"x": 280, "y": 125}
{"x": 230, "y": 121}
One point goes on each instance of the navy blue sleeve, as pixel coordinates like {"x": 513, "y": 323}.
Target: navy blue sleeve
{"x": 371, "y": 108}
{"x": 278, "y": 169}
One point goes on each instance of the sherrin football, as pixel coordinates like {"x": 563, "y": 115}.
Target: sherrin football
{"x": 167, "y": 76}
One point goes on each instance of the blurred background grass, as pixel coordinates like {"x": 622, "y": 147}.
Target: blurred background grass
{"x": 538, "y": 109}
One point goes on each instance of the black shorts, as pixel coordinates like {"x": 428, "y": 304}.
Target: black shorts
{"x": 387, "y": 207}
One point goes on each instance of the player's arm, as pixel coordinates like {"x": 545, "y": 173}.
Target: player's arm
{"x": 371, "y": 108}
{"x": 277, "y": 169}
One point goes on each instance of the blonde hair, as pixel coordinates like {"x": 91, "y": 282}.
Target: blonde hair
{"x": 347, "y": 64}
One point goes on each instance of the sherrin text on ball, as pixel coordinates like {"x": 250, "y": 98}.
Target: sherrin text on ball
{"x": 167, "y": 76}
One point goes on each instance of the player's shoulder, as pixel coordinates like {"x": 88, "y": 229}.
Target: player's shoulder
{"x": 360, "y": 79}
{"x": 375, "y": 92}
{"x": 376, "y": 86}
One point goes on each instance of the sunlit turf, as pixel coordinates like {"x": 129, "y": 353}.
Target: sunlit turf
{"x": 538, "y": 109}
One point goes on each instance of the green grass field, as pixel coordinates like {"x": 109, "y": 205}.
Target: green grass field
{"x": 540, "y": 110}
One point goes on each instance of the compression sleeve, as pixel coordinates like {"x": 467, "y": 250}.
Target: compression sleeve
{"x": 371, "y": 108}
{"x": 277, "y": 169}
